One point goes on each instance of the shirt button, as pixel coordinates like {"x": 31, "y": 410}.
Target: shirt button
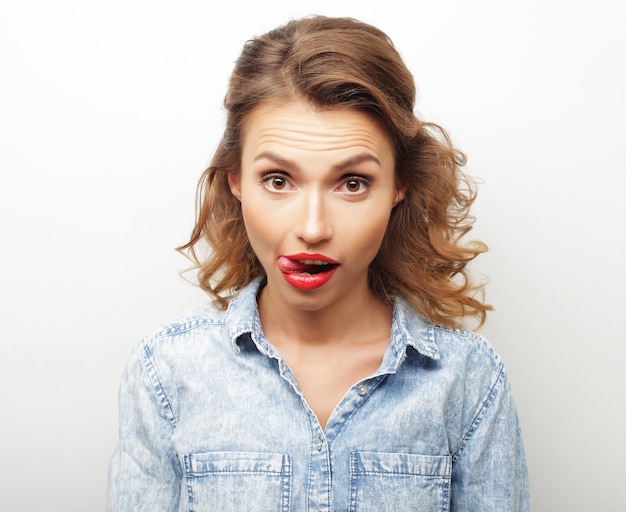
{"x": 319, "y": 445}
{"x": 362, "y": 390}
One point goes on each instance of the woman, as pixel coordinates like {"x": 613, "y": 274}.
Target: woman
{"x": 331, "y": 370}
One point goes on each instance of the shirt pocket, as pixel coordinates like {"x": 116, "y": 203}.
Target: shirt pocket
{"x": 399, "y": 481}
{"x": 238, "y": 481}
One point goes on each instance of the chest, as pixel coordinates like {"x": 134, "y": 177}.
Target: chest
{"x": 325, "y": 377}
{"x": 381, "y": 448}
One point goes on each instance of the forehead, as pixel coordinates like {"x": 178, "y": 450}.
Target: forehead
{"x": 299, "y": 126}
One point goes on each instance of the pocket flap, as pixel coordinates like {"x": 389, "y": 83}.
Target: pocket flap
{"x": 203, "y": 464}
{"x": 364, "y": 463}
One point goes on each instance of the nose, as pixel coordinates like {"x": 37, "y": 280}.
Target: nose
{"x": 315, "y": 223}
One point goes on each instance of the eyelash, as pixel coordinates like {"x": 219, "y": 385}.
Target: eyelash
{"x": 362, "y": 180}
{"x": 266, "y": 181}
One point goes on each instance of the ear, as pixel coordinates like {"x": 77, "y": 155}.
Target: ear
{"x": 234, "y": 184}
{"x": 400, "y": 193}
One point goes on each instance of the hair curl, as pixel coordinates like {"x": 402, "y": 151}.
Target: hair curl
{"x": 344, "y": 63}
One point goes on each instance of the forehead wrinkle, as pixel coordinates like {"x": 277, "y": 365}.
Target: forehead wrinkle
{"x": 321, "y": 139}
{"x": 295, "y": 127}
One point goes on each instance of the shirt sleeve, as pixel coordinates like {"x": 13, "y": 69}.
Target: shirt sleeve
{"x": 144, "y": 471}
{"x": 489, "y": 469}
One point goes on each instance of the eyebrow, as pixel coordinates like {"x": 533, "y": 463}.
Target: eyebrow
{"x": 341, "y": 166}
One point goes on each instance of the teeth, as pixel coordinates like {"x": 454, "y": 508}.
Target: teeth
{"x": 314, "y": 262}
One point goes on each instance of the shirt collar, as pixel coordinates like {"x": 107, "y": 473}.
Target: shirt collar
{"x": 242, "y": 316}
{"x": 408, "y": 329}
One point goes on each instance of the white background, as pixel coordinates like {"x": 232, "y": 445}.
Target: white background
{"x": 109, "y": 111}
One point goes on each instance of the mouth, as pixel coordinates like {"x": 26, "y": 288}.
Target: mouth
{"x": 307, "y": 271}
{"x": 289, "y": 265}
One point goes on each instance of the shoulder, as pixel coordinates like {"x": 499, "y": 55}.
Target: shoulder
{"x": 183, "y": 337}
{"x": 464, "y": 360}
{"x": 206, "y": 330}
{"x": 461, "y": 346}
{"x": 199, "y": 318}
{"x": 448, "y": 346}
{"x": 471, "y": 363}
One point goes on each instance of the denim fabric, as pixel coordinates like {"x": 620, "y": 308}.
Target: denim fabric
{"x": 212, "y": 419}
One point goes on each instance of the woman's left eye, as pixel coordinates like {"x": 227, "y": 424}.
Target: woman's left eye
{"x": 355, "y": 185}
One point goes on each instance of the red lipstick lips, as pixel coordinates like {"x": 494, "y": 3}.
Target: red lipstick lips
{"x": 307, "y": 271}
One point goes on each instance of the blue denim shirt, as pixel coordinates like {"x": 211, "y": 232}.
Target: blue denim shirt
{"x": 212, "y": 419}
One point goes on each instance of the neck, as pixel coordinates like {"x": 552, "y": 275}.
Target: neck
{"x": 362, "y": 316}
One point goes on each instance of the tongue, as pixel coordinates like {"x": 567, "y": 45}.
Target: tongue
{"x": 287, "y": 265}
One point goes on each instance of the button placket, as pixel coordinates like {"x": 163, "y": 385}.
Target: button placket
{"x": 319, "y": 474}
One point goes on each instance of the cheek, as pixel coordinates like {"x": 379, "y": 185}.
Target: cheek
{"x": 250, "y": 220}
{"x": 260, "y": 227}
{"x": 367, "y": 233}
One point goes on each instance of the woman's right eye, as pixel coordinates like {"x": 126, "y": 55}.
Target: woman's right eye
{"x": 275, "y": 182}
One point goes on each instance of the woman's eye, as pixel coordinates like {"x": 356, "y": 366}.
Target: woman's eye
{"x": 275, "y": 183}
{"x": 355, "y": 185}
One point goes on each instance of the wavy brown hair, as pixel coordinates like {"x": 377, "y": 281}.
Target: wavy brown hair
{"x": 344, "y": 63}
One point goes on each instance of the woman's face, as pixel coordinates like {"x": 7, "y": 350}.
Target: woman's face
{"x": 316, "y": 188}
